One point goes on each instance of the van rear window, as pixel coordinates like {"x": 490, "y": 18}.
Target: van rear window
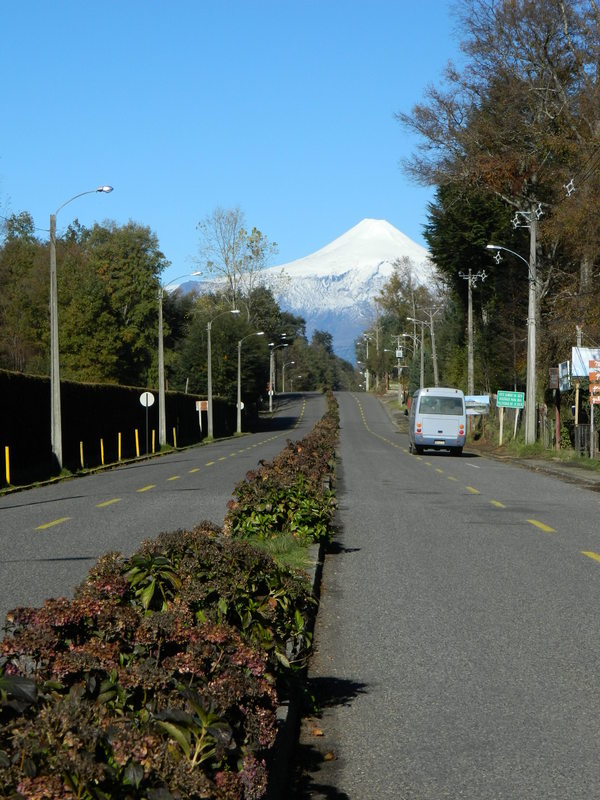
{"x": 445, "y": 406}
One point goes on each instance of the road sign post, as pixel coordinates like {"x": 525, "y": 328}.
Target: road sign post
{"x": 510, "y": 399}
{"x": 147, "y": 400}
{"x": 506, "y": 399}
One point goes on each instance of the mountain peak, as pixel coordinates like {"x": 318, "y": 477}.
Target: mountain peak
{"x": 370, "y": 242}
{"x": 334, "y": 288}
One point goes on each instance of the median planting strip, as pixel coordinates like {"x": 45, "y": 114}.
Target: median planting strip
{"x": 161, "y": 679}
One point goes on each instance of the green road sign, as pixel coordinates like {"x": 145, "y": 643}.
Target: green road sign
{"x": 510, "y": 399}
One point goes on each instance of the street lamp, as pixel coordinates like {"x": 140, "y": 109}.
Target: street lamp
{"x": 273, "y": 347}
{"x": 367, "y": 338}
{"x": 287, "y": 364}
{"x": 162, "y": 418}
{"x": 209, "y": 403}
{"x": 55, "y": 416}
{"x": 530, "y": 426}
{"x": 239, "y": 378}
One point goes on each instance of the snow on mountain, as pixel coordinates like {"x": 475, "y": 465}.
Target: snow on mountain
{"x": 333, "y": 288}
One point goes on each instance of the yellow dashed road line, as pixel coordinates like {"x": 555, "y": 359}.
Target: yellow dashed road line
{"x": 472, "y": 489}
{"x": 589, "y": 554}
{"x": 497, "y": 503}
{"x": 542, "y": 526}
{"x": 174, "y": 478}
{"x": 194, "y": 469}
{"x": 147, "y": 488}
{"x": 108, "y": 502}
{"x": 51, "y": 524}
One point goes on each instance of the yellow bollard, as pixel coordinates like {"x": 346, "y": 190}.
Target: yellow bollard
{"x": 102, "y": 451}
{"x": 137, "y": 443}
{"x": 174, "y": 438}
{"x": 153, "y": 439}
{"x": 119, "y": 445}
{"x": 81, "y": 455}
{"x": 7, "y": 462}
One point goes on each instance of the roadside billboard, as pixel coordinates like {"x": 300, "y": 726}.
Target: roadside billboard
{"x": 580, "y": 360}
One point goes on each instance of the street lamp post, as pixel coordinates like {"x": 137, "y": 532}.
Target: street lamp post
{"x": 273, "y": 347}
{"x": 55, "y": 415}
{"x": 367, "y": 362}
{"x": 162, "y": 417}
{"x": 239, "y": 378}
{"x": 530, "y": 389}
{"x": 209, "y": 395}
{"x": 287, "y": 364}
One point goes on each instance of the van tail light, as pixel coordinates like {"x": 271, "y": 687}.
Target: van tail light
{"x": 418, "y": 427}
{"x": 461, "y": 429}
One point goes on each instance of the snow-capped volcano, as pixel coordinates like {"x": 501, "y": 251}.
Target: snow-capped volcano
{"x": 333, "y": 288}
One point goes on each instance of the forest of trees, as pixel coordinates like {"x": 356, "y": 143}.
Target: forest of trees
{"x": 510, "y": 136}
{"x": 109, "y": 279}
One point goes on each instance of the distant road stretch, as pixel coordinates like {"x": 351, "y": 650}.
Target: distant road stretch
{"x": 50, "y": 536}
{"x": 457, "y": 646}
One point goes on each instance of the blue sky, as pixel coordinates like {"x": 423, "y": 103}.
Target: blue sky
{"x": 284, "y": 108}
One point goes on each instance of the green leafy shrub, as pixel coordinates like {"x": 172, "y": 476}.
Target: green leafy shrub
{"x": 291, "y": 495}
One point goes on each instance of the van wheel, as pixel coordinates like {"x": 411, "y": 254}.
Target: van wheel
{"x": 410, "y": 448}
{"x": 418, "y": 450}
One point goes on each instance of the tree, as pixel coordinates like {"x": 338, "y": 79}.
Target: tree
{"x": 520, "y": 121}
{"x": 24, "y": 324}
{"x": 128, "y": 263}
{"x": 230, "y": 253}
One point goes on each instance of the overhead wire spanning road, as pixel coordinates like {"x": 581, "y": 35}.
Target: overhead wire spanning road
{"x": 50, "y": 536}
{"x": 457, "y": 646}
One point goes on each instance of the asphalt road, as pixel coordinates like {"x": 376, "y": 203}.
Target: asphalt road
{"x": 51, "y": 535}
{"x": 457, "y": 646}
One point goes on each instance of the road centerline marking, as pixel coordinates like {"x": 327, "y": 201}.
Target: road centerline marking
{"x": 51, "y": 524}
{"x": 497, "y": 503}
{"x": 472, "y": 489}
{"x": 108, "y": 502}
{"x": 590, "y": 554}
{"x": 541, "y": 525}
{"x": 147, "y": 488}
{"x": 194, "y": 469}
{"x": 173, "y": 478}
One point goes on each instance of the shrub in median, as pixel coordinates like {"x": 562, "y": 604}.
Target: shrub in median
{"x": 291, "y": 495}
{"x": 132, "y": 705}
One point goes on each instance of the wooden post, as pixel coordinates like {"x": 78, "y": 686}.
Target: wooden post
{"x": 137, "y": 443}
{"x": 119, "y": 445}
{"x": 102, "y": 451}
{"x": 175, "y": 438}
{"x": 7, "y": 464}
{"x": 501, "y": 426}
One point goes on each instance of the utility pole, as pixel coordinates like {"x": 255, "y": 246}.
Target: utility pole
{"x": 436, "y": 381}
{"x": 471, "y": 279}
{"x": 531, "y": 218}
{"x": 579, "y": 330}
{"x": 530, "y": 404}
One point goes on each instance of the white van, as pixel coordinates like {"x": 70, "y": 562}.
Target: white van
{"x": 437, "y": 420}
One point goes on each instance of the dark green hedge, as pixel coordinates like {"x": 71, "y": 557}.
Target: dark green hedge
{"x": 90, "y": 412}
